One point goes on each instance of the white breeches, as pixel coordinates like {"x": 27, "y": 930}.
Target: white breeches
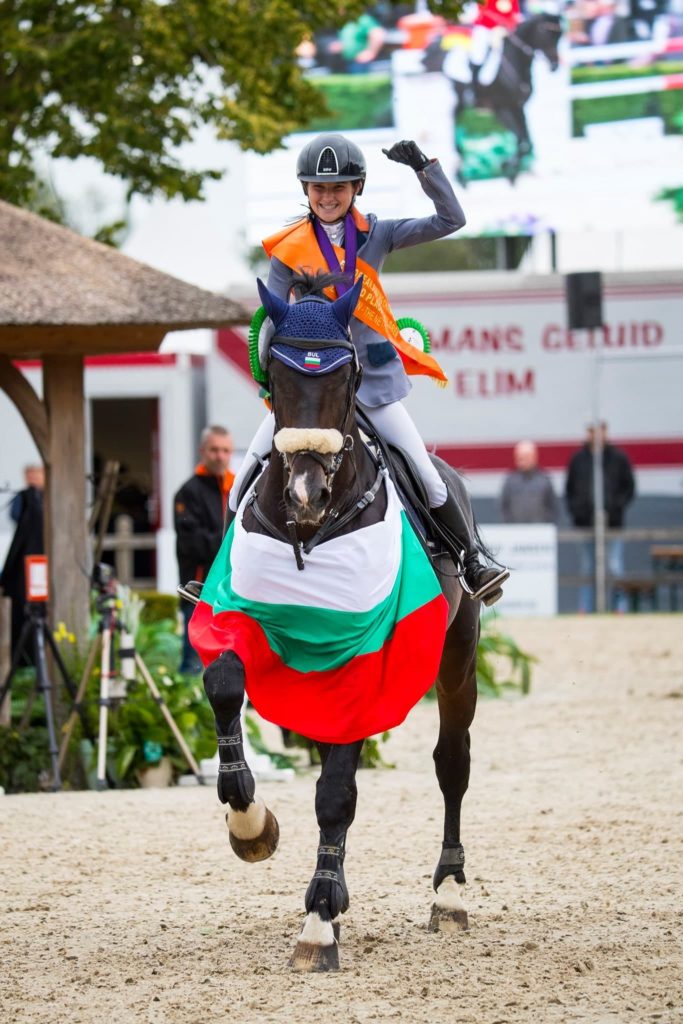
{"x": 261, "y": 443}
{"x": 392, "y": 421}
{"x": 395, "y": 424}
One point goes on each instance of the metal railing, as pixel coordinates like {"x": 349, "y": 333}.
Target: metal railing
{"x": 665, "y": 571}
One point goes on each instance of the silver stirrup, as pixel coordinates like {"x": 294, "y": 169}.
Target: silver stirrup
{"x": 492, "y": 584}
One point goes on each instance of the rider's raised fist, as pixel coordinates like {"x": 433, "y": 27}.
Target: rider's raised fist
{"x": 407, "y": 152}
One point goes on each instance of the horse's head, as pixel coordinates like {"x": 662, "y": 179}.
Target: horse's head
{"x": 313, "y": 374}
{"x": 542, "y": 32}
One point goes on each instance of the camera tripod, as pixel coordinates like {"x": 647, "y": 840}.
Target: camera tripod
{"x": 112, "y": 682}
{"x": 36, "y": 628}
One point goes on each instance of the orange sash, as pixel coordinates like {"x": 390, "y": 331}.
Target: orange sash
{"x": 297, "y": 247}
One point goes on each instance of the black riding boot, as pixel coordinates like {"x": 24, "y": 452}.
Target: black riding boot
{"x": 479, "y": 582}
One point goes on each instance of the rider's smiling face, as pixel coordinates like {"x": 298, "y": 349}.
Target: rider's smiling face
{"x": 331, "y": 200}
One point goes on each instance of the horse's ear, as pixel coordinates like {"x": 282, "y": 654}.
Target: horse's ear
{"x": 344, "y": 306}
{"x": 275, "y": 307}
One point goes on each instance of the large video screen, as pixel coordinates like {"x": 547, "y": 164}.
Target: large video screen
{"x": 546, "y": 115}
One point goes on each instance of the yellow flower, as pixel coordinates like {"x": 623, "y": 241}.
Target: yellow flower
{"x": 162, "y": 670}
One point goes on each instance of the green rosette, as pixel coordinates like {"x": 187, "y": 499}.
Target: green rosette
{"x": 255, "y": 327}
{"x": 416, "y": 334}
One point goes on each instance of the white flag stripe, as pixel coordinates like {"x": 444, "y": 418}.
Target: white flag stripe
{"x": 353, "y": 573}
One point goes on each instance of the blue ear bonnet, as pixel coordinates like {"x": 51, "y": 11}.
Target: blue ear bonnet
{"x": 313, "y": 320}
{"x": 312, "y": 335}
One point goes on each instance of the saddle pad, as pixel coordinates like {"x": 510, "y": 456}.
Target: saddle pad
{"x": 340, "y": 651}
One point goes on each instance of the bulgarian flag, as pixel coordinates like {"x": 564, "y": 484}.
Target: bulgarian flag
{"x": 340, "y": 651}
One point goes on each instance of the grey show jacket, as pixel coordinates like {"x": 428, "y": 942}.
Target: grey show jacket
{"x": 384, "y": 379}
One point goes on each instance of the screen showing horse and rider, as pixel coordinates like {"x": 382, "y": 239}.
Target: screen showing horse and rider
{"x": 532, "y": 105}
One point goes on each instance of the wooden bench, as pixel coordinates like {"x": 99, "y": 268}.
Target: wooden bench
{"x": 639, "y": 589}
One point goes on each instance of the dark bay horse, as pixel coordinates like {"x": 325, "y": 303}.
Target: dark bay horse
{"x": 315, "y": 488}
{"x": 511, "y": 88}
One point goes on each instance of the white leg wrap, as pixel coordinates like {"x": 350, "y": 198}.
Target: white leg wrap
{"x": 448, "y": 895}
{"x": 316, "y": 931}
{"x": 248, "y": 824}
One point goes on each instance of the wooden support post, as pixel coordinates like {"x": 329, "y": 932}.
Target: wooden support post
{"x": 66, "y": 531}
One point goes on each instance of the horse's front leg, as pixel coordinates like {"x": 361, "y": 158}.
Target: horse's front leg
{"x": 457, "y": 696}
{"x": 253, "y": 829}
{"x": 327, "y": 896}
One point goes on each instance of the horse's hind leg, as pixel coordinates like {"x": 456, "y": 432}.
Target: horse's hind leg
{"x": 327, "y": 896}
{"x": 457, "y": 696}
{"x": 252, "y": 827}
{"x": 514, "y": 120}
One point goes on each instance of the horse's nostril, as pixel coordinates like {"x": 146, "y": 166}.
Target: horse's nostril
{"x": 325, "y": 495}
{"x": 288, "y": 494}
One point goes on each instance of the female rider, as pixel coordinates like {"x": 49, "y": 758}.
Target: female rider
{"x": 331, "y": 169}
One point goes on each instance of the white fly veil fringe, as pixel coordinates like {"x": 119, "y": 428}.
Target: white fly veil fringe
{"x": 308, "y": 439}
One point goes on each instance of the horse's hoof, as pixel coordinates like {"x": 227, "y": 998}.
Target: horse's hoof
{"x": 449, "y": 913}
{"x": 254, "y": 833}
{"x": 317, "y": 949}
{"x": 447, "y": 921}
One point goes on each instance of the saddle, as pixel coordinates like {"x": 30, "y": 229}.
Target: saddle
{"x": 411, "y": 490}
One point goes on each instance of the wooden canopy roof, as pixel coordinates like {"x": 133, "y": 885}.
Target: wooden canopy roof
{"x": 63, "y": 297}
{"x": 64, "y": 294}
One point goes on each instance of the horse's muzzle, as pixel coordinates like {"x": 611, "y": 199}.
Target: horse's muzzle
{"x": 307, "y": 496}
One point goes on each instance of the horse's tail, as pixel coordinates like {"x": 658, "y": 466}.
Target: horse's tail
{"x": 481, "y": 547}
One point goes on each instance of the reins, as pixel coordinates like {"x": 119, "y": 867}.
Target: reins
{"x": 335, "y": 518}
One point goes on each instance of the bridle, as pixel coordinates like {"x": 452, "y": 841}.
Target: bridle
{"x": 337, "y": 516}
{"x": 332, "y": 466}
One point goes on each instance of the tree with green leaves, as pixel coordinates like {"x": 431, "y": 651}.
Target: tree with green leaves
{"x": 128, "y": 82}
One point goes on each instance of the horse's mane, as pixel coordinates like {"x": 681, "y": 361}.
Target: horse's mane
{"x": 313, "y": 283}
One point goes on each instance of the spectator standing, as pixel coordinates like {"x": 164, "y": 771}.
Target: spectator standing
{"x": 26, "y": 509}
{"x": 199, "y": 513}
{"x": 528, "y": 495}
{"x": 618, "y": 493}
{"x": 34, "y": 476}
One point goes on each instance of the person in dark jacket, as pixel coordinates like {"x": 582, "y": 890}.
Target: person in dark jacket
{"x": 618, "y": 493}
{"x": 199, "y": 512}
{"x": 528, "y": 495}
{"x": 26, "y": 510}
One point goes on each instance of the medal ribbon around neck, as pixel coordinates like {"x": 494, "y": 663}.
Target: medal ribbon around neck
{"x": 330, "y": 256}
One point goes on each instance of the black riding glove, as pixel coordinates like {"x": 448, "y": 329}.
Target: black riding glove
{"x": 407, "y": 152}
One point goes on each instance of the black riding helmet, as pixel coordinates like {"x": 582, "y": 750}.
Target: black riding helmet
{"x": 331, "y": 157}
